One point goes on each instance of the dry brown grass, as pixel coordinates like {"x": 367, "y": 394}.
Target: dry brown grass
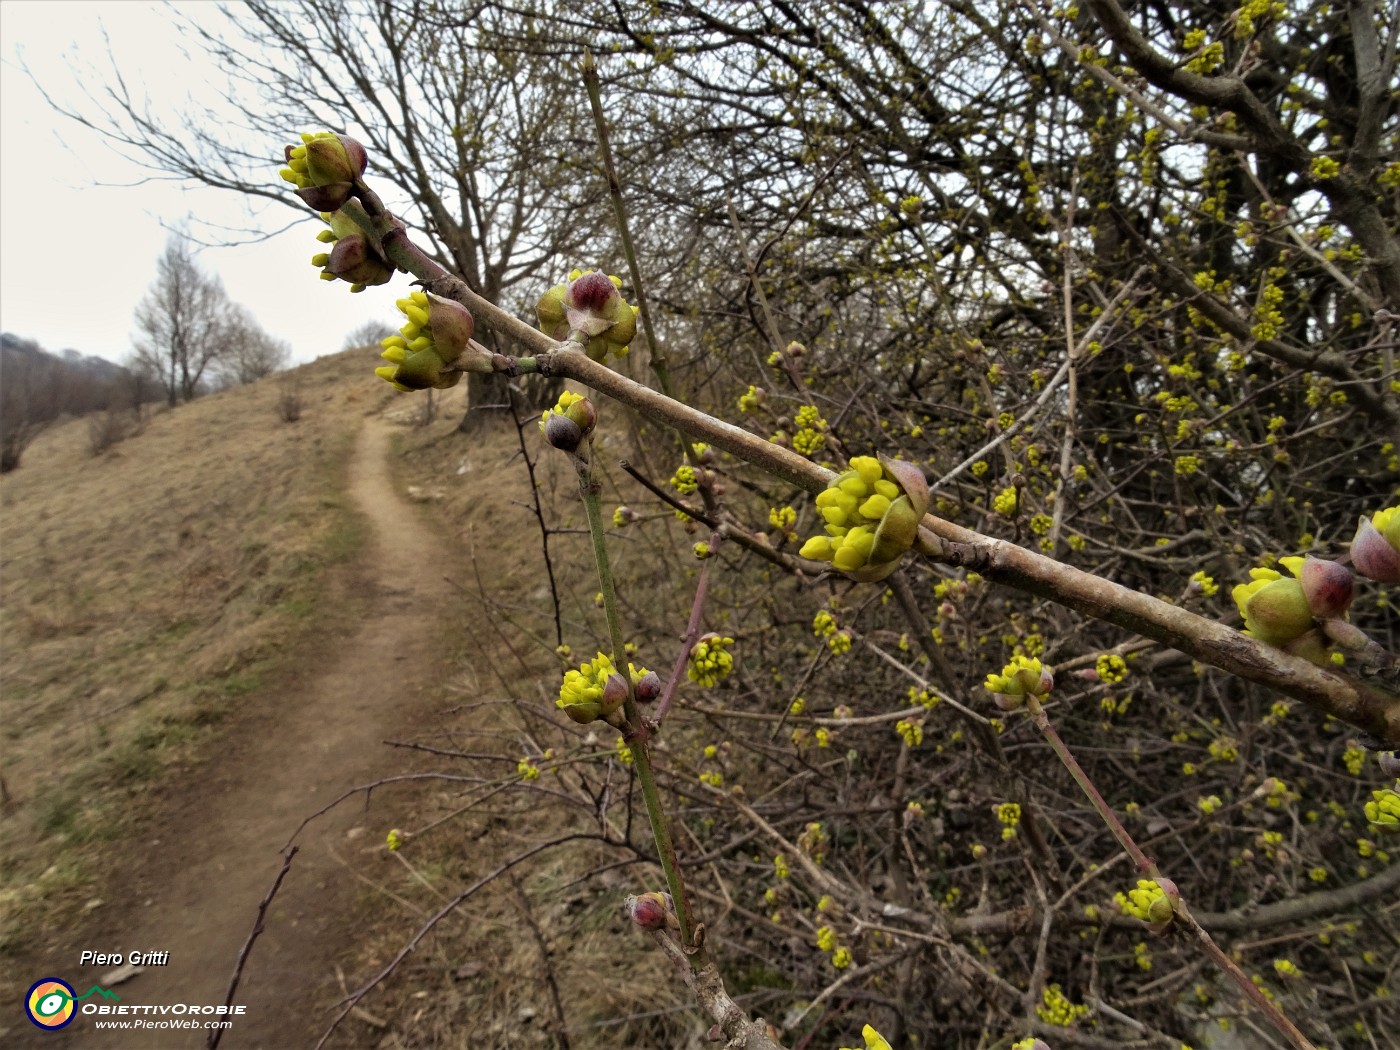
{"x": 145, "y": 591}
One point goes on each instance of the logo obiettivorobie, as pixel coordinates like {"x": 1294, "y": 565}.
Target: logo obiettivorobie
{"x": 51, "y": 1003}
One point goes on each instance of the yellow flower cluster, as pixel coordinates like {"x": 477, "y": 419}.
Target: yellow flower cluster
{"x": 527, "y": 769}
{"x": 1225, "y": 749}
{"x": 1111, "y": 668}
{"x": 592, "y": 690}
{"x": 622, "y": 752}
{"x": 872, "y": 514}
{"x": 1146, "y": 901}
{"x": 1383, "y": 810}
{"x": 810, "y": 435}
{"x": 1056, "y": 1009}
{"x": 824, "y": 626}
{"x": 750, "y": 400}
{"x": 684, "y": 480}
{"x": 783, "y": 518}
{"x": 1009, "y": 813}
{"x": 922, "y": 697}
{"x": 873, "y": 1040}
{"x": 826, "y": 941}
{"x": 1354, "y": 758}
{"x": 1208, "y": 586}
{"x": 910, "y": 730}
{"x": 1324, "y": 168}
{"x": 1024, "y": 675}
{"x": 1142, "y": 956}
{"x": 431, "y": 349}
{"x": 1006, "y": 502}
{"x": 394, "y": 839}
{"x": 710, "y": 660}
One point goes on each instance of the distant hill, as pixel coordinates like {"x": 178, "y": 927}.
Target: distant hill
{"x": 38, "y": 388}
{"x": 15, "y": 349}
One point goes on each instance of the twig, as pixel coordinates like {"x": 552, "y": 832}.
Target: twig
{"x": 692, "y": 635}
{"x": 258, "y": 926}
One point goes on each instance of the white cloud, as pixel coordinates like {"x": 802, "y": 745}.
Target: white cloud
{"x": 81, "y": 227}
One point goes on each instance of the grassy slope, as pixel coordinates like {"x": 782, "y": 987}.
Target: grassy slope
{"x": 148, "y": 590}
{"x": 144, "y": 592}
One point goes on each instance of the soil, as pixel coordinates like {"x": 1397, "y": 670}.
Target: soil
{"x": 211, "y": 850}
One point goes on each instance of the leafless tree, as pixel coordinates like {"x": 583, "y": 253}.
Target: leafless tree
{"x": 182, "y": 323}
{"x": 496, "y": 169}
{"x": 367, "y": 334}
{"x": 249, "y": 352}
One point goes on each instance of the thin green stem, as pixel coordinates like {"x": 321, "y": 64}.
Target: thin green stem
{"x": 634, "y": 732}
{"x": 600, "y": 122}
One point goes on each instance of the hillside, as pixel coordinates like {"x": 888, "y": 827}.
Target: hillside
{"x": 171, "y": 611}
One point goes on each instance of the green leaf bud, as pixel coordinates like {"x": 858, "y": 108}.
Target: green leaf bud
{"x": 324, "y": 168}
{"x": 434, "y": 347}
{"x": 1273, "y": 606}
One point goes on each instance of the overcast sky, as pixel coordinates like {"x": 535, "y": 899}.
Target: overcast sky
{"x": 80, "y": 231}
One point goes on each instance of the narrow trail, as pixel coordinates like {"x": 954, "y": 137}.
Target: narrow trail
{"x": 194, "y": 878}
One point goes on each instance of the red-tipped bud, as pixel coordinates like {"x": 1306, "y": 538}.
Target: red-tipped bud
{"x": 1373, "y": 554}
{"x": 1327, "y": 585}
{"x": 592, "y": 292}
{"x": 563, "y": 433}
{"x": 352, "y": 259}
{"x": 648, "y": 687}
{"x": 650, "y": 911}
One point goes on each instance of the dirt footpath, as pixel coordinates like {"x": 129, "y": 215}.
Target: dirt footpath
{"x": 191, "y": 883}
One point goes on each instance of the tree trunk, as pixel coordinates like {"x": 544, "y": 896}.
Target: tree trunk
{"x": 487, "y": 395}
